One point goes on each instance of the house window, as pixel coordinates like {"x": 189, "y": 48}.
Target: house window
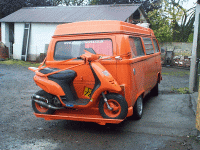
{"x": 71, "y": 49}
{"x": 136, "y": 46}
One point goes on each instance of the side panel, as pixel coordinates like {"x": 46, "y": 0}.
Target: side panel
{"x": 124, "y": 70}
{"x": 139, "y": 74}
{"x": 150, "y": 64}
{"x": 150, "y": 72}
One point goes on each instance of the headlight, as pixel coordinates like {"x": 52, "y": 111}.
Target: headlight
{"x": 106, "y": 73}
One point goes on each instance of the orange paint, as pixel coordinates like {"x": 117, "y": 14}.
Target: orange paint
{"x": 133, "y": 64}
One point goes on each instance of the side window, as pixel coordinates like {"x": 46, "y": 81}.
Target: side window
{"x": 148, "y": 46}
{"x": 155, "y": 45}
{"x": 136, "y": 46}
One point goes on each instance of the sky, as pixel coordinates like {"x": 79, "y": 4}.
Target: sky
{"x": 189, "y": 4}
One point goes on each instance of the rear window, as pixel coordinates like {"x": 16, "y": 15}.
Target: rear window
{"x": 136, "y": 46}
{"x": 70, "y": 49}
{"x": 148, "y": 46}
{"x": 155, "y": 45}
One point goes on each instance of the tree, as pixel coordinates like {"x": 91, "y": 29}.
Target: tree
{"x": 173, "y": 19}
{"x": 148, "y": 5}
{"x": 160, "y": 24}
{"x": 68, "y": 2}
{"x": 181, "y": 20}
{"x": 9, "y": 6}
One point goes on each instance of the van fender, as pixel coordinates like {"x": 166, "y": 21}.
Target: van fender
{"x": 140, "y": 93}
{"x": 98, "y": 93}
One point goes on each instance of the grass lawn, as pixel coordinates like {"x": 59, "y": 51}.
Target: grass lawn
{"x": 19, "y": 62}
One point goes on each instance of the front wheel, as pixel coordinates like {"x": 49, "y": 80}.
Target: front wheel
{"x": 118, "y": 104}
{"x": 40, "y": 109}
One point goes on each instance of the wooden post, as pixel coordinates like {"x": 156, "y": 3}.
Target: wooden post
{"x": 198, "y": 110}
{"x": 194, "y": 50}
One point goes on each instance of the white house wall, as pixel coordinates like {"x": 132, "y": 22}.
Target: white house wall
{"x": 41, "y": 34}
{"x": 18, "y": 40}
{"x": 5, "y": 33}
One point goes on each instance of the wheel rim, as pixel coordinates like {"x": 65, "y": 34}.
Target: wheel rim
{"x": 40, "y": 108}
{"x": 139, "y": 106}
{"x": 115, "y": 106}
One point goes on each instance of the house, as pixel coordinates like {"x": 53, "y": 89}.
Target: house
{"x": 0, "y": 33}
{"x": 28, "y": 31}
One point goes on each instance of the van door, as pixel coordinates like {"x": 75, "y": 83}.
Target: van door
{"x": 138, "y": 65}
{"x": 151, "y": 67}
{"x": 158, "y": 56}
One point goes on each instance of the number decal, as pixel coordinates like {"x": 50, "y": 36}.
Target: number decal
{"x": 87, "y": 92}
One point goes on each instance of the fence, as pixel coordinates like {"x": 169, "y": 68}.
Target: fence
{"x": 176, "y": 53}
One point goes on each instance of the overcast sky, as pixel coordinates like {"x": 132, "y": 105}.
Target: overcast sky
{"x": 189, "y": 4}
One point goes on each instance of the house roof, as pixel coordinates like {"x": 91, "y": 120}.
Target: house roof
{"x": 64, "y": 14}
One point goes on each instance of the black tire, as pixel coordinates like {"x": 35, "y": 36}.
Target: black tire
{"x": 39, "y": 109}
{"x": 118, "y": 103}
{"x": 154, "y": 91}
{"x": 138, "y": 108}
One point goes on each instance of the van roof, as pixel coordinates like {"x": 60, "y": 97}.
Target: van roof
{"x": 102, "y": 26}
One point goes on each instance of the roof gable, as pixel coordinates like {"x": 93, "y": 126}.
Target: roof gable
{"x": 64, "y": 14}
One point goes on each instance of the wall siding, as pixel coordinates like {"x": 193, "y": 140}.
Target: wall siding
{"x": 5, "y": 33}
{"x": 41, "y": 34}
{"x": 18, "y": 40}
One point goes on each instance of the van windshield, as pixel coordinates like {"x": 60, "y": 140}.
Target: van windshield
{"x": 70, "y": 49}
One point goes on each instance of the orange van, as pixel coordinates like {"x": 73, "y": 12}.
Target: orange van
{"x": 134, "y": 62}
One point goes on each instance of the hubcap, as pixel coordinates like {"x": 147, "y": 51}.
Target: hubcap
{"x": 116, "y": 108}
{"x": 139, "y": 106}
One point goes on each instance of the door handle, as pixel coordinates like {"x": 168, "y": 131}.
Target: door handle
{"x": 134, "y": 71}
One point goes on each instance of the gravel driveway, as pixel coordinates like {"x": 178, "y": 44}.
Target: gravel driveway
{"x": 20, "y": 129}
{"x": 173, "y": 78}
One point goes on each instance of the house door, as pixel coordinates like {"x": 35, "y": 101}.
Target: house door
{"x": 25, "y": 43}
{"x": 11, "y": 38}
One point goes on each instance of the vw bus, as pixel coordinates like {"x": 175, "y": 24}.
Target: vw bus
{"x": 131, "y": 55}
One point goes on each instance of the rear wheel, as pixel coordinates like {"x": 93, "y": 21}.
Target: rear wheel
{"x": 138, "y": 108}
{"x": 118, "y": 104}
{"x": 40, "y": 109}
